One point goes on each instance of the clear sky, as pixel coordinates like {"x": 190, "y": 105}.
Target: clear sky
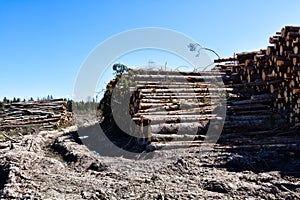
{"x": 43, "y": 43}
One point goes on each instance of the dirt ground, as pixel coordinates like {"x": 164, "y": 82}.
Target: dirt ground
{"x": 55, "y": 165}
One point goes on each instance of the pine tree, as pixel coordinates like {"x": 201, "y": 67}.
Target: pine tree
{"x": 5, "y": 100}
{"x": 69, "y": 105}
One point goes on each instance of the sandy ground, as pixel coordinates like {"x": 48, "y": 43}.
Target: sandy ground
{"x": 54, "y": 165}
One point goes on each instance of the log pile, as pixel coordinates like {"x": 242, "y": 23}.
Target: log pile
{"x": 274, "y": 73}
{"x": 174, "y": 108}
{"x": 45, "y": 114}
{"x": 274, "y": 70}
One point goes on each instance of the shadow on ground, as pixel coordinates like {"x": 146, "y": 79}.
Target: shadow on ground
{"x": 286, "y": 162}
{"x": 112, "y": 142}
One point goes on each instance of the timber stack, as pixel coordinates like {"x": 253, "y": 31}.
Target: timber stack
{"x": 45, "y": 114}
{"x": 261, "y": 88}
{"x": 274, "y": 71}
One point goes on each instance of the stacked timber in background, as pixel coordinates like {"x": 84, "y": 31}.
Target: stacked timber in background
{"x": 45, "y": 114}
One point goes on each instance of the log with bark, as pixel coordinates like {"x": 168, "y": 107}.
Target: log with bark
{"x": 261, "y": 91}
{"x": 47, "y": 114}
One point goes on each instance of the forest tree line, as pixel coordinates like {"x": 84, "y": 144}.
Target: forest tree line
{"x": 118, "y": 69}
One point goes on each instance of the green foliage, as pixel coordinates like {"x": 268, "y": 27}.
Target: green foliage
{"x": 5, "y": 100}
{"x": 120, "y": 69}
{"x": 69, "y": 105}
{"x": 122, "y": 80}
{"x": 16, "y": 100}
{"x": 81, "y": 105}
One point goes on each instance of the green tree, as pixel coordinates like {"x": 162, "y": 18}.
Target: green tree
{"x": 5, "y": 100}
{"x": 120, "y": 68}
{"x": 69, "y": 105}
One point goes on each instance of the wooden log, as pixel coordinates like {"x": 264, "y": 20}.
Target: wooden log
{"x": 176, "y": 118}
{"x": 252, "y": 118}
{"x": 175, "y": 95}
{"x": 253, "y": 125}
{"x": 249, "y": 102}
{"x": 270, "y": 50}
{"x": 296, "y": 61}
{"x": 258, "y": 147}
{"x": 170, "y": 106}
{"x": 176, "y": 78}
{"x": 145, "y": 109}
{"x": 287, "y": 29}
{"x": 134, "y": 72}
{"x": 249, "y": 112}
{"x": 188, "y": 128}
{"x": 172, "y": 85}
{"x": 174, "y": 137}
{"x": 220, "y": 60}
{"x": 296, "y": 91}
{"x": 261, "y": 140}
{"x": 246, "y": 55}
{"x": 5, "y": 145}
{"x": 292, "y": 35}
{"x": 185, "y": 90}
{"x": 294, "y": 56}
{"x": 176, "y": 144}
{"x": 252, "y": 106}
{"x": 257, "y": 83}
{"x": 266, "y": 133}
{"x": 204, "y": 110}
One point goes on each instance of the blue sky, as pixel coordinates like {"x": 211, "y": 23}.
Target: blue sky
{"x": 43, "y": 43}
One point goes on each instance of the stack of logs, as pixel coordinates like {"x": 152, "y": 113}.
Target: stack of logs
{"x": 45, "y": 114}
{"x": 274, "y": 71}
{"x": 174, "y": 108}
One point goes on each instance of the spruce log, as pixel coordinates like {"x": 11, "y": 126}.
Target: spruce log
{"x": 176, "y": 144}
{"x": 174, "y": 137}
{"x": 258, "y": 147}
{"x": 175, "y": 118}
{"x": 191, "y": 128}
{"x": 204, "y": 110}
